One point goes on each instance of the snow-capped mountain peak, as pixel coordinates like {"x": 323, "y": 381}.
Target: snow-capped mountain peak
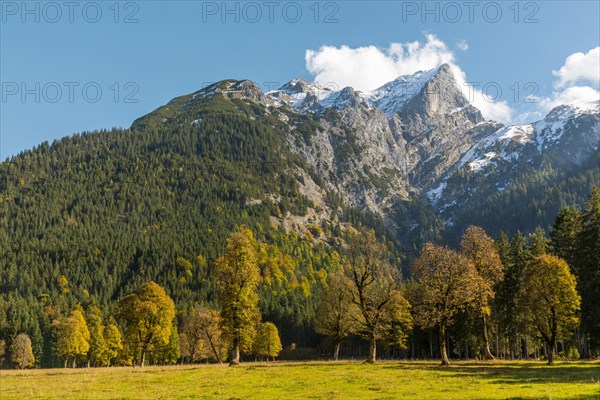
{"x": 390, "y": 98}
{"x": 393, "y": 95}
{"x": 300, "y": 94}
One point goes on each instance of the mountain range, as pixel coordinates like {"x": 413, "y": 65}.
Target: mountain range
{"x": 419, "y": 138}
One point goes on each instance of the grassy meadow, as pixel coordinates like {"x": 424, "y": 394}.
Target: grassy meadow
{"x": 311, "y": 380}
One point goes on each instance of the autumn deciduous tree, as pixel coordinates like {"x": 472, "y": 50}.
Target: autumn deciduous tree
{"x": 237, "y": 275}
{"x": 167, "y": 353}
{"x": 112, "y": 340}
{"x": 336, "y": 315}
{"x": 201, "y": 336}
{"x": 549, "y": 300}
{"x": 97, "y": 353}
{"x": 21, "y": 352}
{"x": 480, "y": 249}
{"x": 383, "y": 312}
{"x": 73, "y": 337}
{"x": 446, "y": 283}
{"x": 267, "y": 343}
{"x": 148, "y": 316}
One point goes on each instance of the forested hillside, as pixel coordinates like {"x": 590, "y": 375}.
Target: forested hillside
{"x": 90, "y": 218}
{"x": 534, "y": 197}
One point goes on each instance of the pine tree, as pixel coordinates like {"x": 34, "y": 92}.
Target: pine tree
{"x": 587, "y": 262}
{"x": 538, "y": 243}
{"x": 565, "y": 235}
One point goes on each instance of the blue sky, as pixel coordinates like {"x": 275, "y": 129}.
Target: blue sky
{"x": 170, "y": 48}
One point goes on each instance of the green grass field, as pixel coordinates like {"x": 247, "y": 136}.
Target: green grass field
{"x": 312, "y": 380}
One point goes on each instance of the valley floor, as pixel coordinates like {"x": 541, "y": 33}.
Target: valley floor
{"x": 312, "y": 380}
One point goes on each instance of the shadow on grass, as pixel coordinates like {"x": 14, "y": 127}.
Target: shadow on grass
{"x": 517, "y": 372}
{"x": 578, "y": 397}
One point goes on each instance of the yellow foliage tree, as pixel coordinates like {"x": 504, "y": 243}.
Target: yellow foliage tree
{"x": 446, "y": 283}
{"x": 237, "y": 275}
{"x": 267, "y": 343}
{"x": 73, "y": 337}
{"x": 112, "y": 339}
{"x": 148, "y": 316}
{"x": 480, "y": 249}
{"x": 549, "y": 300}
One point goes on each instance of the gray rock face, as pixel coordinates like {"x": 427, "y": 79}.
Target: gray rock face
{"x": 389, "y": 143}
{"x": 357, "y": 154}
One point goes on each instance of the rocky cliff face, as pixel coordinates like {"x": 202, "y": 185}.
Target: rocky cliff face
{"x": 387, "y": 144}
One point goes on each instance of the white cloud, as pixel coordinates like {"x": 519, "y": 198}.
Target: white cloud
{"x": 462, "y": 45}
{"x": 579, "y": 67}
{"x": 575, "y": 95}
{"x": 490, "y": 109}
{"x": 528, "y": 117}
{"x": 367, "y": 68}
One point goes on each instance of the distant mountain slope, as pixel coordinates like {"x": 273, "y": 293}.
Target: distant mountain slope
{"x": 518, "y": 177}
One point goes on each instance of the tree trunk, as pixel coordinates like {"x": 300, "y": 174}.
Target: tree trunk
{"x": 486, "y": 342}
{"x": 497, "y": 339}
{"x": 372, "y": 351}
{"x": 66, "y": 360}
{"x": 443, "y": 353}
{"x": 430, "y": 345}
{"x": 550, "y": 351}
{"x": 143, "y": 359}
{"x": 336, "y": 351}
{"x": 579, "y": 346}
{"x": 74, "y": 361}
{"x": 217, "y": 356}
{"x": 235, "y": 355}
